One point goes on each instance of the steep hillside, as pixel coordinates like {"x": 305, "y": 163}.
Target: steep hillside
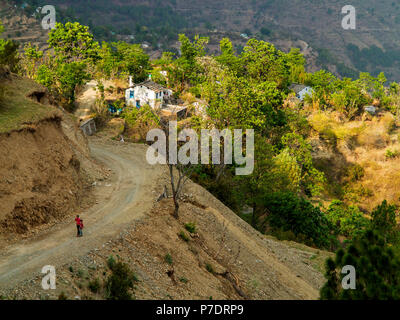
{"x": 359, "y": 157}
{"x": 22, "y": 26}
{"x": 223, "y": 258}
{"x": 45, "y": 168}
{"x": 371, "y": 47}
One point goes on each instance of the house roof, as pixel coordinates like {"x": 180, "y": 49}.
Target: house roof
{"x": 297, "y": 87}
{"x": 85, "y": 122}
{"x": 149, "y": 84}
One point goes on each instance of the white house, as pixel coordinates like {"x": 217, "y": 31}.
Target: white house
{"x": 147, "y": 92}
{"x": 301, "y": 91}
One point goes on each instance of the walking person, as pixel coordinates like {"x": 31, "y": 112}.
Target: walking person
{"x": 78, "y": 225}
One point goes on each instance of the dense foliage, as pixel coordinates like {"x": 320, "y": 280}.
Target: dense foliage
{"x": 289, "y": 212}
{"x": 374, "y": 255}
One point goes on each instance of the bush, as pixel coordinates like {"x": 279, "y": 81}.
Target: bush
{"x": 191, "y": 227}
{"x": 183, "y": 236}
{"x": 62, "y": 296}
{"x": 120, "y": 282}
{"x": 384, "y": 221}
{"x": 210, "y": 268}
{"x": 392, "y": 154}
{"x": 377, "y": 271}
{"x": 183, "y": 280}
{"x": 288, "y": 212}
{"x": 94, "y": 285}
{"x": 347, "y": 221}
{"x": 355, "y": 172}
{"x": 168, "y": 259}
{"x": 110, "y": 262}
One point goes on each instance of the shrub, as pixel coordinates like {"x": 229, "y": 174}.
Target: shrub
{"x": 183, "y": 236}
{"x": 355, "y": 172}
{"x": 354, "y": 193}
{"x": 183, "y": 280}
{"x": 62, "y": 296}
{"x": 82, "y": 273}
{"x": 120, "y": 282}
{"x": 210, "y": 268}
{"x": 377, "y": 271}
{"x": 392, "y": 154}
{"x": 347, "y": 221}
{"x": 384, "y": 221}
{"x": 191, "y": 227}
{"x": 168, "y": 258}
{"x": 288, "y": 212}
{"x": 110, "y": 262}
{"x": 94, "y": 285}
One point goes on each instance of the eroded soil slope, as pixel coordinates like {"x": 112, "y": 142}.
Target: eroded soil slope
{"x": 225, "y": 258}
{"x": 45, "y": 167}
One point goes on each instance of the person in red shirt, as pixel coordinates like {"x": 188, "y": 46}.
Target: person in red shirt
{"x": 80, "y": 228}
{"x": 78, "y": 225}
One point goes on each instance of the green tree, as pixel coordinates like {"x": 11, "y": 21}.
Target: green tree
{"x": 349, "y": 97}
{"x": 377, "y": 271}
{"x": 235, "y": 102}
{"x": 372, "y": 85}
{"x": 251, "y": 189}
{"x": 186, "y": 68}
{"x": 8, "y": 52}
{"x": 67, "y": 66}
{"x": 384, "y": 221}
{"x": 228, "y": 57}
{"x": 120, "y": 282}
{"x": 73, "y": 42}
{"x": 296, "y": 62}
{"x": 347, "y": 221}
{"x": 289, "y": 212}
{"x": 312, "y": 179}
{"x": 62, "y": 79}
{"x": 263, "y": 62}
{"x": 32, "y": 59}
{"x": 323, "y": 83}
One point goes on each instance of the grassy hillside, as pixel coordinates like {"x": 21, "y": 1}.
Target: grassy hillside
{"x": 17, "y": 108}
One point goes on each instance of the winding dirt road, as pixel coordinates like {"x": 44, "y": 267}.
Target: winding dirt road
{"x": 126, "y": 197}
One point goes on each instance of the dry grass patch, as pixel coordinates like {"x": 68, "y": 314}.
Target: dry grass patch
{"x": 327, "y": 125}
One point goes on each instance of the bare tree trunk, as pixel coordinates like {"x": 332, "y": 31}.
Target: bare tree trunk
{"x": 175, "y": 191}
{"x": 184, "y": 172}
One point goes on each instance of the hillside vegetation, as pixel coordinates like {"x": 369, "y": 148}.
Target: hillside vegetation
{"x": 320, "y": 165}
{"x": 371, "y": 47}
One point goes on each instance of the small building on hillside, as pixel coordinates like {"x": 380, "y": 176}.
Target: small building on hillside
{"x": 147, "y": 92}
{"x": 301, "y": 91}
{"x": 175, "y": 111}
{"x": 88, "y": 127}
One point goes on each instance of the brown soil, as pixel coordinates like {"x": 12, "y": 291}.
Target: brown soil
{"x": 44, "y": 172}
{"x": 128, "y": 223}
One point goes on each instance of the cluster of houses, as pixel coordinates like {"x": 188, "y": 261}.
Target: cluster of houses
{"x": 159, "y": 97}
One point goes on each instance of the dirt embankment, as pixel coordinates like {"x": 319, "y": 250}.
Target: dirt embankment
{"x": 224, "y": 258}
{"x": 44, "y": 174}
